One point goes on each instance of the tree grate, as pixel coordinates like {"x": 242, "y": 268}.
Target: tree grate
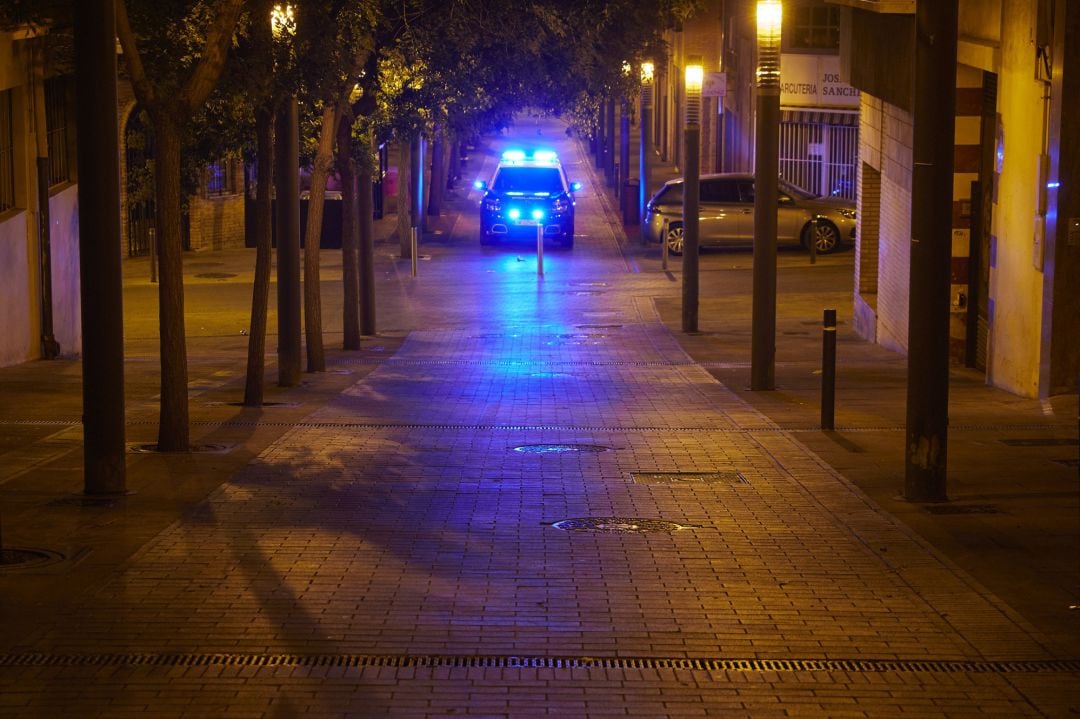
{"x": 855, "y": 666}
{"x": 152, "y": 448}
{"x": 1042, "y": 442}
{"x": 962, "y": 509}
{"x": 27, "y": 558}
{"x": 688, "y": 478}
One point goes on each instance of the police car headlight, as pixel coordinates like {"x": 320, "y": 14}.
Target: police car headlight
{"x": 561, "y": 204}
{"x": 492, "y": 204}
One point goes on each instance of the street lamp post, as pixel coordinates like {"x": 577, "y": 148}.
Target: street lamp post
{"x": 645, "y": 143}
{"x": 691, "y": 199}
{"x": 766, "y": 172}
{"x": 287, "y": 182}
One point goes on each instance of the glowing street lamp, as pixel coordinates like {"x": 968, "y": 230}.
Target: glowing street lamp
{"x": 691, "y": 189}
{"x": 766, "y": 172}
{"x": 645, "y": 142}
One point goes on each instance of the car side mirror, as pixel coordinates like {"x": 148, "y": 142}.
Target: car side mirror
{"x": 480, "y": 185}
{"x": 575, "y": 186}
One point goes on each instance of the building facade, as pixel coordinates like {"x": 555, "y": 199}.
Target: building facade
{"x": 1014, "y": 314}
{"x": 39, "y": 220}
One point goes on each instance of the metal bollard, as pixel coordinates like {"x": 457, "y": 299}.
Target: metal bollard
{"x": 413, "y": 249}
{"x": 540, "y": 249}
{"x": 664, "y": 243}
{"x": 828, "y": 370}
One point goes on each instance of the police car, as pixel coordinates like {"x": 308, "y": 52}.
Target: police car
{"x": 528, "y": 190}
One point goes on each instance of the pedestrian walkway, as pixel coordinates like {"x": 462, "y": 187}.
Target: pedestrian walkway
{"x": 532, "y": 502}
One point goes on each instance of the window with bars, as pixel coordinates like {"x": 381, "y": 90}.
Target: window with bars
{"x": 811, "y": 27}
{"x": 221, "y": 178}
{"x": 7, "y": 152}
{"x": 58, "y": 125}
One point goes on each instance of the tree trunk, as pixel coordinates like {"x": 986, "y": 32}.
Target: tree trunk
{"x": 173, "y": 428}
{"x": 453, "y": 168}
{"x": 367, "y": 248}
{"x": 320, "y": 170}
{"x": 438, "y": 177}
{"x": 260, "y": 293}
{"x": 350, "y": 234}
{"x": 404, "y": 197}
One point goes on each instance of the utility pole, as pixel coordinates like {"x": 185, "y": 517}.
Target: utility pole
{"x": 645, "y": 142}
{"x": 691, "y": 195}
{"x": 100, "y": 270}
{"x": 931, "y": 250}
{"x": 766, "y": 172}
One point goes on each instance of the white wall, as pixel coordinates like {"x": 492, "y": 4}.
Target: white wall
{"x": 16, "y": 308}
{"x": 64, "y": 241}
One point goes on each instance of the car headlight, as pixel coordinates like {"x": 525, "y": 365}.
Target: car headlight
{"x": 561, "y": 204}
{"x": 849, "y": 214}
{"x": 492, "y": 204}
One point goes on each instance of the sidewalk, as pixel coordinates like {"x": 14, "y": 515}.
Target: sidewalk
{"x": 1013, "y": 519}
{"x": 527, "y": 497}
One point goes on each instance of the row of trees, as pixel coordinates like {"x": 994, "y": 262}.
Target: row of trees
{"x": 212, "y": 74}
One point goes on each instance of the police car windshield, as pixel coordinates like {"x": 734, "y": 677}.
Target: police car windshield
{"x": 528, "y": 179}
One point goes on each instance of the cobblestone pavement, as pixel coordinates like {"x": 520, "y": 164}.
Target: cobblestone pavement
{"x": 538, "y": 505}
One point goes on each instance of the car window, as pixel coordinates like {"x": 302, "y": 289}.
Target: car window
{"x": 719, "y": 191}
{"x": 528, "y": 179}
{"x": 670, "y": 195}
{"x": 746, "y": 190}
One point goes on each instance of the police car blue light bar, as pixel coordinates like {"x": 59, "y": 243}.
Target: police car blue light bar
{"x": 513, "y": 155}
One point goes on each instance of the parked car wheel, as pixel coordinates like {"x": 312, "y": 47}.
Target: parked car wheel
{"x": 825, "y": 236}
{"x": 675, "y": 238}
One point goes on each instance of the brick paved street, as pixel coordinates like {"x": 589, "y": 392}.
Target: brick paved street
{"x": 394, "y": 552}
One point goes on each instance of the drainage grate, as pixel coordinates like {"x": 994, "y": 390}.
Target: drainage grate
{"x": 560, "y": 448}
{"x": 688, "y": 478}
{"x": 620, "y": 525}
{"x": 963, "y": 509}
{"x": 1042, "y": 442}
{"x": 152, "y": 448}
{"x": 937, "y": 666}
{"x": 27, "y": 558}
{"x": 215, "y": 275}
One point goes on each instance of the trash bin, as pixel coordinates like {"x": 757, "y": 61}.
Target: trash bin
{"x": 630, "y": 202}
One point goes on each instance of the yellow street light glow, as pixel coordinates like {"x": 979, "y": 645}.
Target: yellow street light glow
{"x": 282, "y": 20}
{"x": 770, "y": 16}
{"x": 695, "y": 74}
{"x": 626, "y": 68}
{"x": 646, "y": 73}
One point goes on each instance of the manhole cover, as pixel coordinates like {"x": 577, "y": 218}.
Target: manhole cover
{"x": 624, "y": 525}
{"x": 215, "y": 275}
{"x": 24, "y": 558}
{"x": 1042, "y": 442}
{"x": 962, "y": 509}
{"x": 152, "y": 448}
{"x": 688, "y": 478}
{"x": 1074, "y": 463}
{"x": 560, "y": 448}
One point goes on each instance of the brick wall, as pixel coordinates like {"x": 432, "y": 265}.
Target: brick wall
{"x": 885, "y": 145}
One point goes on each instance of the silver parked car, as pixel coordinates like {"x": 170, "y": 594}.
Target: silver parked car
{"x": 727, "y": 215}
